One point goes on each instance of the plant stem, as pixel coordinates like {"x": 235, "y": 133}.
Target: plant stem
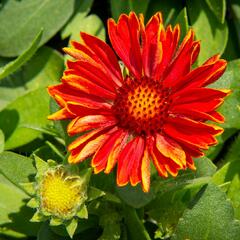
{"x": 135, "y": 227}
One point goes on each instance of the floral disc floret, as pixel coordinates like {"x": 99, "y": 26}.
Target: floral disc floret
{"x": 142, "y": 106}
{"x": 61, "y": 194}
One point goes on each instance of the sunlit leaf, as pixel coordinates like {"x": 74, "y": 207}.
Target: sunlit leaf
{"x": 22, "y": 20}
{"x": 23, "y": 58}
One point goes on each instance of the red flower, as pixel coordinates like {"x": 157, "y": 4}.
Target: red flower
{"x": 157, "y": 111}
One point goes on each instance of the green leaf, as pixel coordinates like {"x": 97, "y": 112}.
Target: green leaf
{"x": 235, "y": 14}
{"x": 55, "y": 221}
{"x": 22, "y": 59}
{"x": 71, "y": 227}
{"x": 231, "y": 107}
{"x": 218, "y": 7}
{"x": 169, "y": 8}
{"x": 205, "y": 167}
{"x": 119, "y": 7}
{"x": 47, "y": 152}
{"x": 20, "y": 222}
{"x": 2, "y": 139}
{"x": 25, "y": 118}
{"x": 110, "y": 222}
{"x": 182, "y": 20}
{"x": 45, "y": 233}
{"x": 91, "y": 24}
{"x": 38, "y": 217}
{"x": 233, "y": 153}
{"x": 94, "y": 193}
{"x": 16, "y": 168}
{"x": 134, "y": 196}
{"x": 230, "y": 172}
{"x": 213, "y": 35}
{"x": 20, "y": 20}
{"x": 11, "y": 199}
{"x": 45, "y": 68}
{"x": 33, "y": 203}
{"x": 210, "y": 216}
{"x": 82, "y": 11}
{"x": 83, "y": 212}
{"x": 41, "y": 165}
{"x": 172, "y": 199}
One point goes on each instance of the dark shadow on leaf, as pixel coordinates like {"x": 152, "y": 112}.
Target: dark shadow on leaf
{"x": 233, "y": 170}
{"x": 20, "y": 222}
{"x": 197, "y": 197}
{"x": 27, "y": 72}
{"x": 9, "y": 120}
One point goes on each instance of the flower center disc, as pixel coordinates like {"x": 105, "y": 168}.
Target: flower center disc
{"x": 142, "y": 106}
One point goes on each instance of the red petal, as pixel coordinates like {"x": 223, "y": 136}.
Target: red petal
{"x": 80, "y": 141}
{"x": 130, "y": 154}
{"x": 151, "y": 45}
{"x": 99, "y": 160}
{"x": 82, "y": 84}
{"x": 170, "y": 149}
{"x": 198, "y": 95}
{"x": 91, "y": 72}
{"x": 105, "y": 55}
{"x": 180, "y": 66}
{"x": 191, "y": 132}
{"x": 61, "y": 114}
{"x": 64, "y": 113}
{"x": 199, "y": 116}
{"x": 125, "y": 39}
{"x": 89, "y": 149}
{"x": 81, "y": 124}
{"x": 169, "y": 42}
{"x": 157, "y": 158}
{"x": 190, "y": 163}
{"x": 203, "y": 75}
{"x": 135, "y": 173}
{"x": 199, "y": 106}
{"x": 145, "y": 171}
{"x": 116, "y": 149}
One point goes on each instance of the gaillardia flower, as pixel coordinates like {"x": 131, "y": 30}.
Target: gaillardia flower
{"x": 157, "y": 109}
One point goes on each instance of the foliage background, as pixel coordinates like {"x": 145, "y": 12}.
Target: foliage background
{"x": 196, "y": 205}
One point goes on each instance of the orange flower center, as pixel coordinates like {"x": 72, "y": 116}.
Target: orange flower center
{"x": 142, "y": 106}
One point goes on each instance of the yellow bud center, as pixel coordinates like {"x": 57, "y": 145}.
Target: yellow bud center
{"x": 60, "y": 194}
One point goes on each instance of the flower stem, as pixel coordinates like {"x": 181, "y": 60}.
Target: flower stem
{"x": 135, "y": 227}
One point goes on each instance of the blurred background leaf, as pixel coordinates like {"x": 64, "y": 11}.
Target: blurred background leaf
{"x": 22, "y": 20}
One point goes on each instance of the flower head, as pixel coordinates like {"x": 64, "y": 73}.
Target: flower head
{"x": 60, "y": 194}
{"x": 158, "y": 111}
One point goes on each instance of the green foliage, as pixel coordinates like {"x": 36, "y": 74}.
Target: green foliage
{"x": 91, "y": 24}
{"x": 16, "y": 168}
{"x": 25, "y": 121}
{"x": 201, "y": 204}
{"x": 169, "y": 8}
{"x": 24, "y": 57}
{"x": 118, "y": 7}
{"x": 230, "y": 173}
{"x": 206, "y": 216}
{"x": 230, "y": 80}
{"x": 21, "y": 20}
{"x": 208, "y": 29}
{"x": 45, "y": 68}
{"x": 218, "y": 8}
{"x": 134, "y": 197}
